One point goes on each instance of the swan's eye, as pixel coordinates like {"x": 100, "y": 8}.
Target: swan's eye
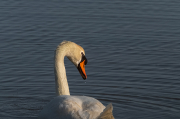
{"x": 84, "y": 58}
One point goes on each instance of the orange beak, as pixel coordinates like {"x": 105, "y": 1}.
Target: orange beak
{"x": 81, "y": 68}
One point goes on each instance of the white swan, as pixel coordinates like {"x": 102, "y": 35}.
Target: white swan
{"x": 65, "y": 106}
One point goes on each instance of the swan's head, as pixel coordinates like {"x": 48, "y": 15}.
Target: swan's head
{"x": 76, "y": 55}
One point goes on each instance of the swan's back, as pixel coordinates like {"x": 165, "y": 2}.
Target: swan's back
{"x": 72, "y": 107}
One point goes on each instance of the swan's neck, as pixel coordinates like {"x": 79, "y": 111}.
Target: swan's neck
{"x": 62, "y": 87}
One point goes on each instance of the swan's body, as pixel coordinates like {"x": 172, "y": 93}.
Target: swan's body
{"x": 72, "y": 107}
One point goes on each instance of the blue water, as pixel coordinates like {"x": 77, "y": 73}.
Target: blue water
{"x": 132, "y": 47}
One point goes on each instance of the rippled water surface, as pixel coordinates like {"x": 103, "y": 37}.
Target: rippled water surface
{"x": 132, "y": 47}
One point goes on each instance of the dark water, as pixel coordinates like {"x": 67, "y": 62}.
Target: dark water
{"x": 133, "y": 51}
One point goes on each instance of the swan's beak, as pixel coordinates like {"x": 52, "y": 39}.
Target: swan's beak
{"x": 81, "y": 68}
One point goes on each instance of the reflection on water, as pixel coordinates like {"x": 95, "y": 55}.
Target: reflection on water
{"x": 133, "y": 52}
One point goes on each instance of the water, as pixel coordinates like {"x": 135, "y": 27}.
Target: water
{"x": 132, "y": 47}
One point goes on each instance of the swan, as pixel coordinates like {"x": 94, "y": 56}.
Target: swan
{"x": 65, "y": 106}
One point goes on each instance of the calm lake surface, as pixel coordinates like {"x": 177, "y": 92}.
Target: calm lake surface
{"x": 132, "y": 47}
